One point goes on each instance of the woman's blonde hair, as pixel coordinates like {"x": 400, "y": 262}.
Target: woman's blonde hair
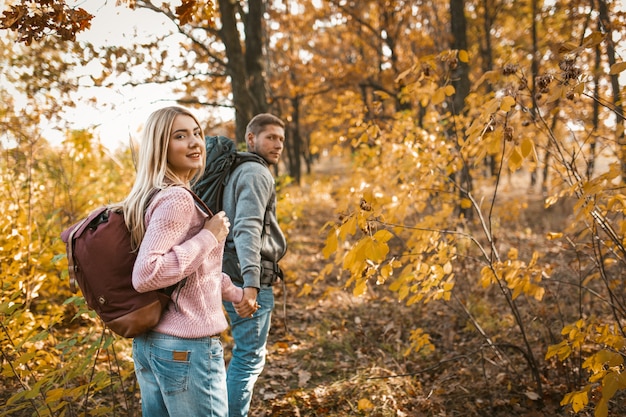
{"x": 153, "y": 171}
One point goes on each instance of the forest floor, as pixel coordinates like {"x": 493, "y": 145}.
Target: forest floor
{"x": 333, "y": 354}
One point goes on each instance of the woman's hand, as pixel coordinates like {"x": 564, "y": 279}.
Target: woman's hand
{"x": 248, "y": 305}
{"x": 219, "y": 225}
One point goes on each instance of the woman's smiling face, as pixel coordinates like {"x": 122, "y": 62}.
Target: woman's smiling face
{"x": 185, "y": 152}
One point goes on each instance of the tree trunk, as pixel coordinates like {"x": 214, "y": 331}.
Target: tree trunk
{"x": 255, "y": 32}
{"x": 617, "y": 102}
{"x": 244, "y": 68}
{"x": 296, "y": 142}
{"x": 460, "y": 81}
{"x": 486, "y": 53}
{"x": 596, "y": 112}
{"x": 534, "y": 72}
{"x": 460, "y": 77}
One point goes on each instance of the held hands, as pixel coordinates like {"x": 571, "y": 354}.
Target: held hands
{"x": 219, "y": 225}
{"x": 248, "y": 305}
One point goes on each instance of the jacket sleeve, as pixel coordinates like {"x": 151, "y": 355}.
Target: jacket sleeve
{"x": 166, "y": 254}
{"x": 254, "y": 189}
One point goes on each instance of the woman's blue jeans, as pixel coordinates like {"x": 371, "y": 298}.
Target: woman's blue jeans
{"x": 248, "y": 356}
{"x": 180, "y": 377}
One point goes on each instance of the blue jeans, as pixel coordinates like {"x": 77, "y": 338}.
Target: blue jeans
{"x": 248, "y": 358}
{"x": 180, "y": 377}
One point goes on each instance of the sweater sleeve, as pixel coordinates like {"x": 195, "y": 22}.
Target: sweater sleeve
{"x": 230, "y": 292}
{"x": 166, "y": 254}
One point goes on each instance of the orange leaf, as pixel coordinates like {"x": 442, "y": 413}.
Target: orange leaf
{"x": 185, "y": 11}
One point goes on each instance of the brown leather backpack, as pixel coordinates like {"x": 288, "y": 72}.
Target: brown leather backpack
{"x": 100, "y": 261}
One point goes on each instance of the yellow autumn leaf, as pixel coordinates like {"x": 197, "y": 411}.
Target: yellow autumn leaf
{"x": 490, "y": 76}
{"x": 376, "y": 251}
{"x": 617, "y": 68}
{"x": 359, "y": 288}
{"x": 403, "y": 74}
{"x": 486, "y": 277}
{"x": 564, "y": 352}
{"x": 602, "y": 409}
{"x": 348, "y": 228}
{"x": 383, "y": 235}
{"x": 55, "y": 394}
{"x": 593, "y": 39}
{"x": 579, "y": 88}
{"x": 568, "y": 46}
{"x": 399, "y": 285}
{"x": 466, "y": 203}
{"x": 553, "y": 350}
{"x": 449, "y": 90}
{"x": 554, "y": 235}
{"x": 601, "y": 359}
{"x": 350, "y": 258}
{"x": 491, "y": 106}
{"x": 538, "y": 293}
{"x": 386, "y": 271}
{"x": 439, "y": 96}
{"x": 507, "y": 103}
{"x": 463, "y": 56}
{"x": 331, "y": 244}
{"x": 556, "y": 93}
{"x": 550, "y": 201}
{"x": 365, "y": 404}
{"x": 578, "y": 400}
{"x": 306, "y": 290}
{"x": 527, "y": 146}
{"x": 382, "y": 95}
{"x": 368, "y": 195}
{"x": 515, "y": 160}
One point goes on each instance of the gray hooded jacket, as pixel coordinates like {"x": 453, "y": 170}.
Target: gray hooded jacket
{"x": 250, "y": 195}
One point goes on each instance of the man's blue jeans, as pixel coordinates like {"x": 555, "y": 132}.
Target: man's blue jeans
{"x": 180, "y": 377}
{"x": 248, "y": 358}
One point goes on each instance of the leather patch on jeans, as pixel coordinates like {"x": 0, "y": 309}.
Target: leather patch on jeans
{"x": 180, "y": 356}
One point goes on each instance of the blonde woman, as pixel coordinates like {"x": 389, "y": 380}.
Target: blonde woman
{"x": 180, "y": 363}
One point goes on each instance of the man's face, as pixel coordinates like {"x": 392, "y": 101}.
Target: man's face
{"x": 268, "y": 143}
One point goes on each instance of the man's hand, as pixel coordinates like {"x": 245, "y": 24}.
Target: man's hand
{"x": 248, "y": 305}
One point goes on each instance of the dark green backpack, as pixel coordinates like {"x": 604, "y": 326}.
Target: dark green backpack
{"x": 222, "y": 158}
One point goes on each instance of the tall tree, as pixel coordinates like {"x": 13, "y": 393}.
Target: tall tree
{"x": 244, "y": 58}
{"x": 609, "y": 30}
{"x": 460, "y": 81}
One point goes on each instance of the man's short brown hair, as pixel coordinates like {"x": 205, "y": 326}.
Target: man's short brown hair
{"x": 258, "y": 123}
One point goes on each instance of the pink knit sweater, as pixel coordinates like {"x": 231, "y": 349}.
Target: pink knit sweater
{"x": 176, "y": 246}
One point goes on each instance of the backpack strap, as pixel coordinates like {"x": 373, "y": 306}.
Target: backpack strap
{"x": 170, "y": 290}
{"x": 200, "y": 203}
